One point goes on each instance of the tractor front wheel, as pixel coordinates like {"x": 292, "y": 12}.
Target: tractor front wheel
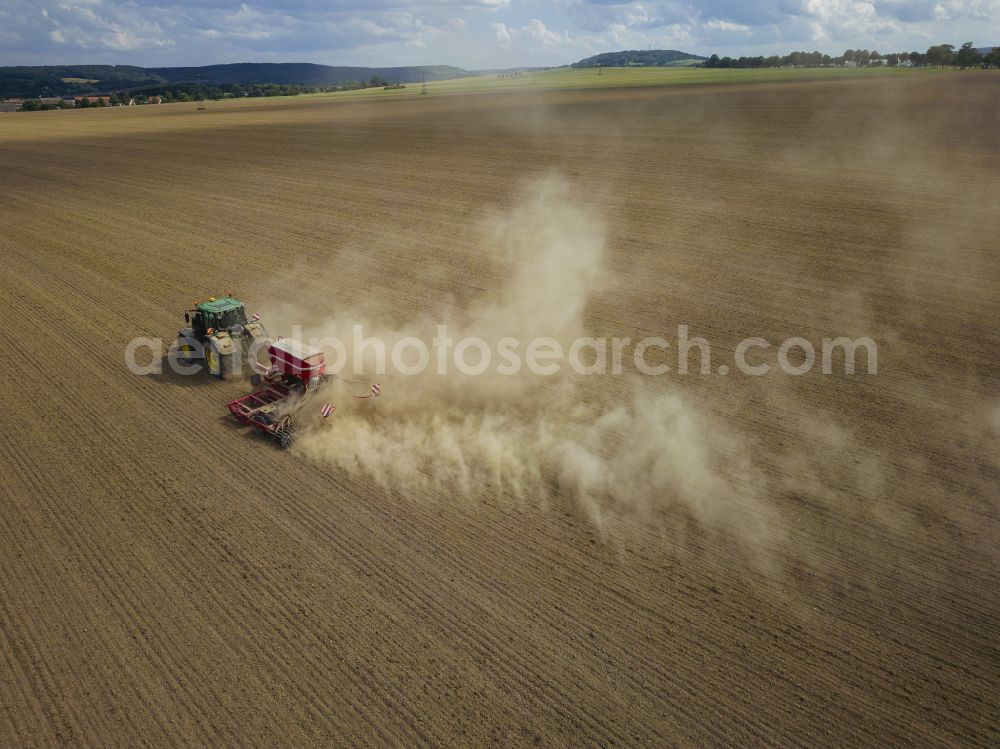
{"x": 213, "y": 361}
{"x": 185, "y": 354}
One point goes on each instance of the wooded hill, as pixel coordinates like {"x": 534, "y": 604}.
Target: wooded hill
{"x": 639, "y": 58}
{"x": 58, "y": 80}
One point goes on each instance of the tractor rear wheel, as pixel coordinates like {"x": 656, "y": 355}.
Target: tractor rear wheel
{"x": 230, "y": 366}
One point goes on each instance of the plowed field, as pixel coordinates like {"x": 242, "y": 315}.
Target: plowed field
{"x": 815, "y": 563}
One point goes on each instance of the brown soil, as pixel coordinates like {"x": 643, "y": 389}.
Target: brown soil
{"x": 168, "y": 579}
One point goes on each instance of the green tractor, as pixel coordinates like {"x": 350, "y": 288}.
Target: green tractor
{"x": 219, "y": 333}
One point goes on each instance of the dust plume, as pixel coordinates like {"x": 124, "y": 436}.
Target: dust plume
{"x": 528, "y": 436}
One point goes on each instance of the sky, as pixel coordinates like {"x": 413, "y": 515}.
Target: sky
{"x": 474, "y": 34}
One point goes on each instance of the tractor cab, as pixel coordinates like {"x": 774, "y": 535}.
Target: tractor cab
{"x": 216, "y": 314}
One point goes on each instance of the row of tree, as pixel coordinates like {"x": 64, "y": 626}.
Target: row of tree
{"x": 114, "y": 100}
{"x": 34, "y": 105}
{"x": 202, "y": 91}
{"x": 940, "y": 55}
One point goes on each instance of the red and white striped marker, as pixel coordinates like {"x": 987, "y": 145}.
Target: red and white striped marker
{"x": 327, "y": 410}
{"x": 376, "y": 390}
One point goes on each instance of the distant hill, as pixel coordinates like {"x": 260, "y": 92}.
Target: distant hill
{"x": 58, "y": 80}
{"x": 47, "y": 80}
{"x": 986, "y": 50}
{"x": 641, "y": 58}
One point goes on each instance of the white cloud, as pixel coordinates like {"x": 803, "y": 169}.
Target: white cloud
{"x": 532, "y": 35}
{"x": 849, "y": 18}
{"x": 540, "y": 33}
{"x": 716, "y": 25}
{"x": 502, "y": 33}
{"x": 92, "y": 26}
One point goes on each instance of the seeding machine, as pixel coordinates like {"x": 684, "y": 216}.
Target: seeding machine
{"x": 220, "y": 334}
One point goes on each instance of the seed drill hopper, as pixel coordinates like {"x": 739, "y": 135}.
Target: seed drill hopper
{"x": 295, "y": 374}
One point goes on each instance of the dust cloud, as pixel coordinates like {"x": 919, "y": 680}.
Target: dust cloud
{"x": 528, "y": 436}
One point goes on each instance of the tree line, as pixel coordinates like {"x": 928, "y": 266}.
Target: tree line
{"x": 940, "y": 55}
{"x": 202, "y": 92}
{"x": 205, "y": 91}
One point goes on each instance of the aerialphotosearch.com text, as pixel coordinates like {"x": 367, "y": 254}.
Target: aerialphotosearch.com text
{"x": 471, "y": 355}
